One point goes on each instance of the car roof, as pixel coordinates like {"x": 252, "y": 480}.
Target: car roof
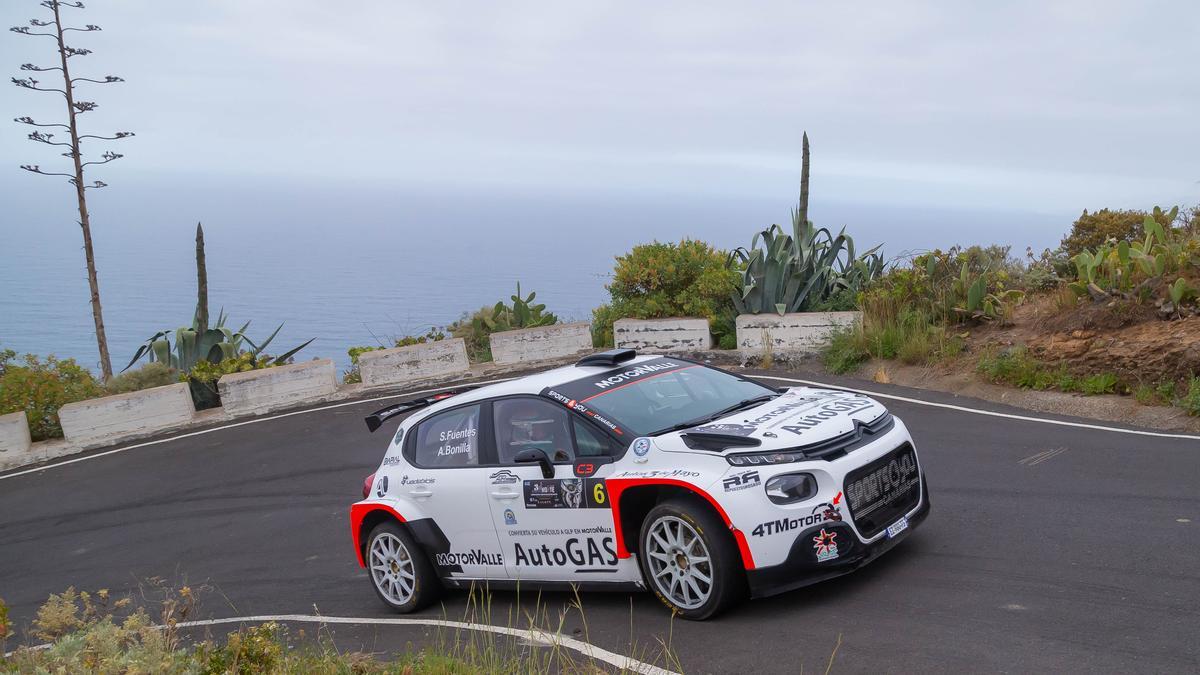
{"x": 530, "y": 384}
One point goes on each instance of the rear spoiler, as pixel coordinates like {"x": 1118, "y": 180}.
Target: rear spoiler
{"x": 377, "y": 418}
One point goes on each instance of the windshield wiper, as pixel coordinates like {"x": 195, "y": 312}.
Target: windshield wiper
{"x": 740, "y": 405}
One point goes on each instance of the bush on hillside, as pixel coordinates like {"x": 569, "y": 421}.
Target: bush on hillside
{"x": 153, "y": 374}
{"x": 1091, "y": 230}
{"x": 662, "y": 280}
{"x": 40, "y": 388}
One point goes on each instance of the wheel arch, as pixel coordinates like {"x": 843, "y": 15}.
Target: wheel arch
{"x": 364, "y": 517}
{"x": 632, "y": 500}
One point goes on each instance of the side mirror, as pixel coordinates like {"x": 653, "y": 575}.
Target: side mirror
{"x": 530, "y": 455}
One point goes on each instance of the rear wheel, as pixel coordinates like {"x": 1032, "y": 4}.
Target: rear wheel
{"x": 689, "y": 559}
{"x": 400, "y": 574}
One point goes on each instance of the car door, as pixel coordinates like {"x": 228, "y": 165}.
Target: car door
{"x": 557, "y": 528}
{"x": 449, "y": 454}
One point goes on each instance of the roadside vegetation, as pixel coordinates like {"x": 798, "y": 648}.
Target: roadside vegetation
{"x": 1046, "y": 321}
{"x": 77, "y": 631}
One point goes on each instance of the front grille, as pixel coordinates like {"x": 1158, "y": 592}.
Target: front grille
{"x": 862, "y": 434}
{"x": 879, "y": 493}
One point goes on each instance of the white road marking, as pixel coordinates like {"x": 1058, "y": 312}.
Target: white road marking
{"x": 534, "y": 635}
{"x": 244, "y": 423}
{"x": 977, "y": 411}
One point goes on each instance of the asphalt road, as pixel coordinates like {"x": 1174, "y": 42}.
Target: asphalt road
{"x": 1082, "y": 560}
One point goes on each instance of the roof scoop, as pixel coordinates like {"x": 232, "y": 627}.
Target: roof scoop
{"x": 607, "y": 359}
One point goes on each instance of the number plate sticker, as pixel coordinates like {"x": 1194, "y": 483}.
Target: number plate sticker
{"x": 897, "y": 527}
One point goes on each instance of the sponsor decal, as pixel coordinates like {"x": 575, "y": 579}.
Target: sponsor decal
{"x": 659, "y": 473}
{"x": 575, "y": 552}
{"x": 566, "y": 493}
{"x": 392, "y": 460}
{"x": 381, "y": 486}
{"x": 825, "y": 546}
{"x": 572, "y": 492}
{"x": 509, "y": 517}
{"x": 584, "y": 409}
{"x": 641, "y": 446}
{"x": 472, "y": 557}
{"x": 504, "y": 477}
{"x": 828, "y": 411}
{"x": 726, "y": 429}
{"x": 405, "y": 480}
{"x": 821, "y": 513}
{"x": 635, "y": 373}
{"x": 399, "y": 435}
{"x": 741, "y": 481}
{"x": 883, "y": 485}
{"x": 559, "y": 531}
{"x": 585, "y": 469}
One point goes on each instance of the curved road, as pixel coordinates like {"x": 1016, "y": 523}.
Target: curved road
{"x": 1050, "y": 548}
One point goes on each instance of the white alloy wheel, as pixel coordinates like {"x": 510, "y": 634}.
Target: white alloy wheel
{"x": 392, "y": 568}
{"x": 680, "y": 564}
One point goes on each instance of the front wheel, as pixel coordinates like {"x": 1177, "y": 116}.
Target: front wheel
{"x": 400, "y": 574}
{"x": 689, "y": 559}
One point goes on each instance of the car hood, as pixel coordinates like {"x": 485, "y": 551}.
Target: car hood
{"x": 799, "y": 416}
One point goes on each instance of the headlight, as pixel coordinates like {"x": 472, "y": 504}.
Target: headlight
{"x": 790, "y": 488}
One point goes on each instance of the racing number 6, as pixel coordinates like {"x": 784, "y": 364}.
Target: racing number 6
{"x": 598, "y": 493}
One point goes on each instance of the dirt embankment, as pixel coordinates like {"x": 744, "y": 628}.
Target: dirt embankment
{"x": 1131, "y": 341}
{"x": 1128, "y": 340}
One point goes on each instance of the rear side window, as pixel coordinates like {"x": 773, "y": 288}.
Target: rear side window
{"x": 589, "y": 442}
{"x": 449, "y": 439}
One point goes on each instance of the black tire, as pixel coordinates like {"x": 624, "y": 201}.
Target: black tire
{"x": 724, "y": 568}
{"x": 425, "y": 585}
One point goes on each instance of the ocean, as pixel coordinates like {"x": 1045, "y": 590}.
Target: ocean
{"x": 362, "y": 264}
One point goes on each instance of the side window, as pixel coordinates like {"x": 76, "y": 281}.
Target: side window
{"x": 449, "y": 439}
{"x": 588, "y": 441}
{"x": 523, "y": 423}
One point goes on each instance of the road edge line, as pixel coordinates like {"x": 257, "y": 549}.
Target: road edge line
{"x": 978, "y": 411}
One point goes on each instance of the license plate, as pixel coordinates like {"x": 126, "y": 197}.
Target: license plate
{"x": 897, "y": 527}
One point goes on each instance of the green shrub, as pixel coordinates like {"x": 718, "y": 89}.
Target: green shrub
{"x": 845, "y": 351}
{"x": 662, "y": 280}
{"x": 1100, "y": 383}
{"x": 1091, "y": 230}
{"x": 153, "y": 374}
{"x": 40, "y": 388}
{"x": 1190, "y": 401}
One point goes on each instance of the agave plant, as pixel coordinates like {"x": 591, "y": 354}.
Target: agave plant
{"x": 200, "y": 343}
{"x": 792, "y": 273}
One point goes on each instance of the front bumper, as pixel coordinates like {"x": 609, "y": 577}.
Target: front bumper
{"x": 802, "y": 567}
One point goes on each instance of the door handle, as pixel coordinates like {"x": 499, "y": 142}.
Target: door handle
{"x": 504, "y": 494}
{"x": 420, "y": 493}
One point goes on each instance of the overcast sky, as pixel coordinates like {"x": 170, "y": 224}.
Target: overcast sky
{"x": 1042, "y": 106}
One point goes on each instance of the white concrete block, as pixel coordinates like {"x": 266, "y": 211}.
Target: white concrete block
{"x": 662, "y": 335}
{"x": 14, "y": 440}
{"x": 258, "y": 391}
{"x": 414, "y": 362}
{"x": 798, "y": 333}
{"x": 540, "y": 344}
{"x": 103, "y": 421}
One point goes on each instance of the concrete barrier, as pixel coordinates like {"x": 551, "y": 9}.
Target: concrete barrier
{"x": 414, "y": 362}
{"x": 662, "y": 335}
{"x": 258, "y": 391}
{"x": 111, "y": 419}
{"x": 14, "y": 439}
{"x": 540, "y": 344}
{"x": 795, "y": 334}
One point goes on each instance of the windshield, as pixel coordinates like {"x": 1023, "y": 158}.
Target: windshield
{"x": 658, "y": 395}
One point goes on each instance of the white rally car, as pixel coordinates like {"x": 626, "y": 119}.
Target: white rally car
{"x": 625, "y": 472}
